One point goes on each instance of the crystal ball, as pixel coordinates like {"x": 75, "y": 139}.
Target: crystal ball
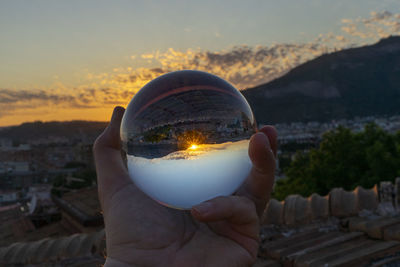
{"x": 186, "y": 136}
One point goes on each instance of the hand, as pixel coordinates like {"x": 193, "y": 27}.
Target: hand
{"x": 223, "y": 231}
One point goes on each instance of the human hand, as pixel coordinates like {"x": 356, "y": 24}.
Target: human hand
{"x": 223, "y": 231}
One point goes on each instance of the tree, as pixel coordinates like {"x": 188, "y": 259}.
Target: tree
{"x": 343, "y": 159}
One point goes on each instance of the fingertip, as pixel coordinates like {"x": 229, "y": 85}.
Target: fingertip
{"x": 270, "y": 131}
{"x": 272, "y": 134}
{"x": 110, "y": 137}
{"x": 119, "y": 109}
{"x": 258, "y": 148}
{"x": 117, "y": 115}
{"x": 200, "y": 211}
{"x": 259, "y": 139}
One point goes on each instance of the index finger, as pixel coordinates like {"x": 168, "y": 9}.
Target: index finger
{"x": 262, "y": 152}
{"x": 112, "y": 174}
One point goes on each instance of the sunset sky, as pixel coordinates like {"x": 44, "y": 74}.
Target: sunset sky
{"x": 68, "y": 60}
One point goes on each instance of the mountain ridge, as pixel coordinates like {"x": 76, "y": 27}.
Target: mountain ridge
{"x": 38, "y": 129}
{"x": 360, "y": 81}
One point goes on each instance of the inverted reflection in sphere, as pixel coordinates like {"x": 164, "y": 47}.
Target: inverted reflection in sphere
{"x": 186, "y": 136}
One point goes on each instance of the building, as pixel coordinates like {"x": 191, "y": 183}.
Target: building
{"x": 5, "y": 144}
{"x": 80, "y": 210}
{"x": 15, "y": 166}
{"x": 9, "y": 196}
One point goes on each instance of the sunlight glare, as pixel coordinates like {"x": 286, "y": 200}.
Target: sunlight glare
{"x": 193, "y": 147}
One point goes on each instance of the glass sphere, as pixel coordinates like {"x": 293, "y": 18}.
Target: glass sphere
{"x": 186, "y": 137}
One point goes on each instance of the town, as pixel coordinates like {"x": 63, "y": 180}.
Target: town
{"x": 48, "y": 185}
{"x": 26, "y": 168}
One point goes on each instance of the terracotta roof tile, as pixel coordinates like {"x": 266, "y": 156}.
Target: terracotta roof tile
{"x": 365, "y": 254}
{"x": 319, "y": 257}
{"x": 392, "y": 232}
{"x": 392, "y": 261}
{"x": 78, "y": 246}
{"x": 340, "y": 203}
{"x": 315, "y": 248}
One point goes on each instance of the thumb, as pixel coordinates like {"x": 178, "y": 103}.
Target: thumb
{"x": 110, "y": 138}
{"x": 110, "y": 167}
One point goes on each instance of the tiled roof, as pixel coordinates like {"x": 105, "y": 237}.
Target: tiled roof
{"x": 14, "y": 231}
{"x": 331, "y": 243}
{"x": 296, "y": 209}
{"x": 341, "y": 229}
{"x": 83, "y": 205}
{"x": 13, "y": 225}
{"x": 335, "y": 247}
{"x": 16, "y": 227}
{"x": 10, "y": 213}
{"x": 22, "y": 230}
{"x": 85, "y": 199}
{"x": 53, "y": 230}
{"x": 74, "y": 250}
{"x": 335, "y": 230}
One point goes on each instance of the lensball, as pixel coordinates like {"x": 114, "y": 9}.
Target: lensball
{"x": 186, "y": 136}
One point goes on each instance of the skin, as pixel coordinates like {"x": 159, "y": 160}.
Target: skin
{"x": 223, "y": 231}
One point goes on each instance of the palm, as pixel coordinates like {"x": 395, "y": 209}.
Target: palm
{"x": 219, "y": 232}
{"x": 165, "y": 236}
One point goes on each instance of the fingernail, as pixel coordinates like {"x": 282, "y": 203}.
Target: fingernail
{"x": 203, "y": 208}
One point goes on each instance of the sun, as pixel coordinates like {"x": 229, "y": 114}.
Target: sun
{"x": 193, "y": 147}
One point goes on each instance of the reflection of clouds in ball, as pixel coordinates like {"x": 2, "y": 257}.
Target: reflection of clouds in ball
{"x": 186, "y": 178}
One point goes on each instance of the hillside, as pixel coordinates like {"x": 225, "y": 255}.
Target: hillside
{"x": 354, "y": 82}
{"x": 68, "y": 129}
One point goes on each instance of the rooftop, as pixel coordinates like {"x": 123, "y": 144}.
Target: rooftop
{"x": 74, "y": 250}
{"x": 83, "y": 205}
{"x": 332, "y": 245}
{"x": 344, "y": 228}
{"x": 13, "y": 224}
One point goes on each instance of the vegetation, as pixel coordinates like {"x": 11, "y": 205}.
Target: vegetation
{"x": 157, "y": 134}
{"x": 343, "y": 159}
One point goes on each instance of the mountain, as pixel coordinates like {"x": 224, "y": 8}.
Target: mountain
{"x": 69, "y": 129}
{"x": 359, "y": 81}
{"x": 354, "y": 82}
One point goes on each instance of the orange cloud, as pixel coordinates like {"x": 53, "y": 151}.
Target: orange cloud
{"x": 244, "y": 66}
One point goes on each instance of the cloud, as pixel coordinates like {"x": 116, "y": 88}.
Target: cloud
{"x": 77, "y": 98}
{"x": 147, "y": 56}
{"x": 8, "y": 96}
{"x": 379, "y": 25}
{"x": 244, "y": 66}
